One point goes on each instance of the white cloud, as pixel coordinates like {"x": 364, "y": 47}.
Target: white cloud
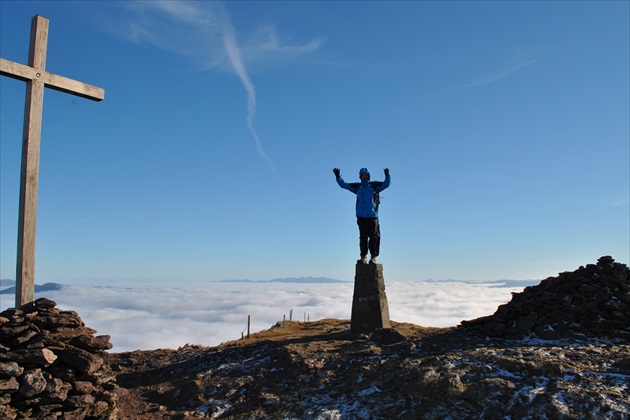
{"x": 144, "y": 316}
{"x": 498, "y": 74}
{"x": 197, "y": 30}
{"x": 502, "y": 68}
{"x": 204, "y": 31}
{"x": 85, "y": 219}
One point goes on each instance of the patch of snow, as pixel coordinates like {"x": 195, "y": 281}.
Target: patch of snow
{"x": 502, "y": 373}
{"x": 561, "y": 404}
{"x": 369, "y": 391}
{"x": 214, "y": 408}
{"x": 328, "y": 415}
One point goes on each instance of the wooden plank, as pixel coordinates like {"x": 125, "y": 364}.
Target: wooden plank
{"x": 52, "y": 81}
{"x": 39, "y": 42}
{"x": 17, "y": 71}
{"x": 29, "y": 179}
{"x": 73, "y": 87}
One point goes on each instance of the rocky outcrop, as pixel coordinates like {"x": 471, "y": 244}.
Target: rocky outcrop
{"x": 592, "y": 301}
{"x": 53, "y": 366}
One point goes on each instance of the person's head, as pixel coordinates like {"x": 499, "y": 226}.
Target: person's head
{"x": 364, "y": 174}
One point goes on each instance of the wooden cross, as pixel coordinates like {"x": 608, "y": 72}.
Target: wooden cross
{"x": 36, "y": 79}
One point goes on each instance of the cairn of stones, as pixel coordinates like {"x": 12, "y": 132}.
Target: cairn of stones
{"x": 53, "y": 366}
{"x": 592, "y": 301}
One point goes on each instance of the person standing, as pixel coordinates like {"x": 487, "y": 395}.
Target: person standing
{"x": 366, "y": 211}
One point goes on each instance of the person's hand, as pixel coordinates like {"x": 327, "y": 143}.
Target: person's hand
{"x": 337, "y": 172}
{"x": 386, "y": 170}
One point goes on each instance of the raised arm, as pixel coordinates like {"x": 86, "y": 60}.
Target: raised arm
{"x": 385, "y": 183}
{"x": 343, "y": 184}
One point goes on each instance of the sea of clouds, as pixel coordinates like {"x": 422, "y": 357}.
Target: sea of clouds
{"x": 148, "y": 316}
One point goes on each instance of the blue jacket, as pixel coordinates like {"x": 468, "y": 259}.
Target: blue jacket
{"x": 366, "y": 207}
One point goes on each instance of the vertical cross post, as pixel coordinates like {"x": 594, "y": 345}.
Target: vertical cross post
{"x": 36, "y": 79}
{"x": 29, "y": 177}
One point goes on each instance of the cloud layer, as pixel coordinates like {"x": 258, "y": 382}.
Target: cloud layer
{"x": 146, "y": 316}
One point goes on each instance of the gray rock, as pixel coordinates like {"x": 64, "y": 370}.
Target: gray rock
{"x": 10, "y": 369}
{"x": 33, "y": 383}
{"x": 42, "y": 357}
{"x": 7, "y": 385}
{"x": 81, "y": 360}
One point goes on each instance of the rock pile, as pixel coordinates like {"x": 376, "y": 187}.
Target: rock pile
{"x": 52, "y": 366}
{"x": 592, "y": 301}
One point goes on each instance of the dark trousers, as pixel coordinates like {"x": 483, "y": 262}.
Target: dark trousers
{"x": 369, "y": 236}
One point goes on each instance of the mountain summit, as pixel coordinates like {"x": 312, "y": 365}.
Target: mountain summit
{"x": 525, "y": 361}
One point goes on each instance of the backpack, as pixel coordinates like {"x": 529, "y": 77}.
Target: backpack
{"x": 376, "y": 197}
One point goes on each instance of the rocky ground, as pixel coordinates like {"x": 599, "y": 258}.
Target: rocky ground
{"x": 320, "y": 370}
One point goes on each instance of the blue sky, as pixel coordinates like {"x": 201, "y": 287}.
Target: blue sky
{"x": 505, "y": 126}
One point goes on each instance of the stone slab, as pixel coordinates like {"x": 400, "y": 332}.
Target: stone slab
{"x": 369, "y": 303}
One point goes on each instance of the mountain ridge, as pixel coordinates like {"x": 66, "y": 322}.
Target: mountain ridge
{"x": 46, "y": 287}
{"x": 286, "y": 280}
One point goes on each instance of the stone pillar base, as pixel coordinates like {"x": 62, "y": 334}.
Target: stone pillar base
{"x": 369, "y": 303}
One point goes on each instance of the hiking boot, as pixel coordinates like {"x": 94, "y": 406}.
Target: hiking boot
{"x": 373, "y": 260}
{"x": 363, "y": 260}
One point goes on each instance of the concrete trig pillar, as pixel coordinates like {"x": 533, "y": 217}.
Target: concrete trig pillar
{"x": 369, "y": 304}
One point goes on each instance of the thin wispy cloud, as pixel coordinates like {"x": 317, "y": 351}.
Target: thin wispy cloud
{"x": 85, "y": 219}
{"x": 621, "y": 201}
{"x": 512, "y": 65}
{"x": 234, "y": 54}
{"x": 267, "y": 46}
{"x": 203, "y": 32}
{"x": 497, "y": 75}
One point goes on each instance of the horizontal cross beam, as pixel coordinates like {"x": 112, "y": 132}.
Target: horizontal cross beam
{"x": 52, "y": 81}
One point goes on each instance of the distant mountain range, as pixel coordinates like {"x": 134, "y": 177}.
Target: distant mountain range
{"x": 491, "y": 283}
{"x": 8, "y": 287}
{"x": 290, "y": 280}
{"x": 6, "y": 283}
